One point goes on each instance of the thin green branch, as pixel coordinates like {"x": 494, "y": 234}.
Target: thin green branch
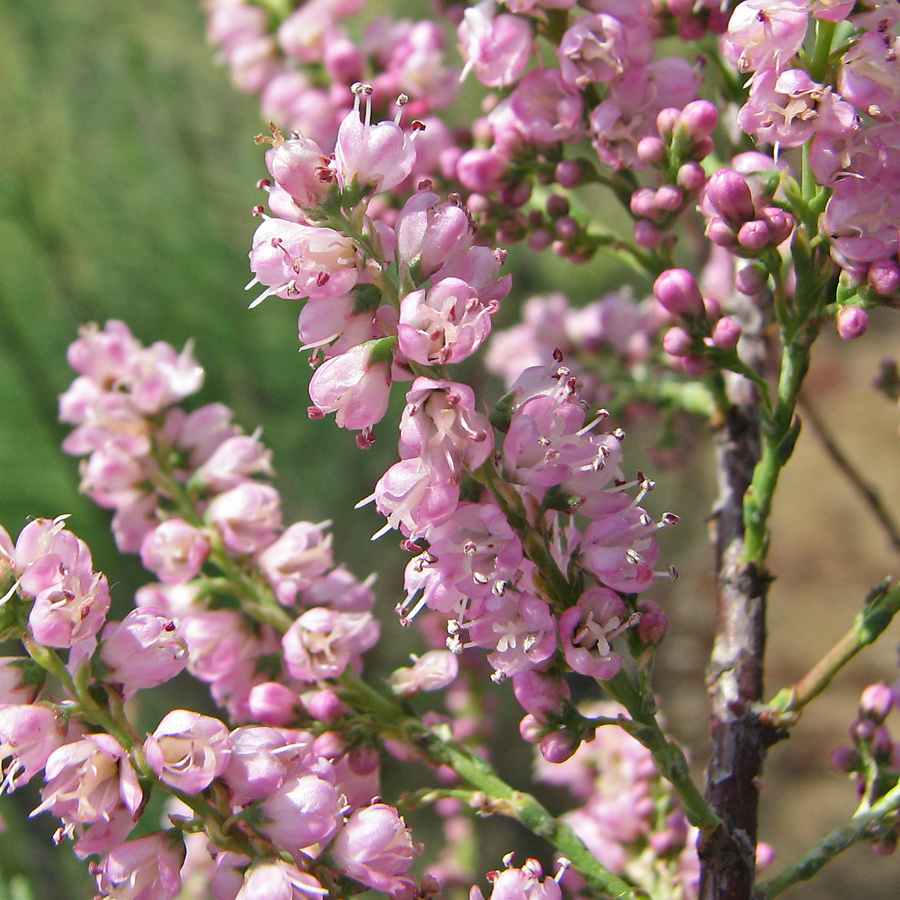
{"x": 882, "y": 604}
{"x": 501, "y": 798}
{"x": 861, "y": 826}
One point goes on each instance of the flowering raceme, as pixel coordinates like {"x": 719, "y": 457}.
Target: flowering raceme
{"x": 391, "y": 228}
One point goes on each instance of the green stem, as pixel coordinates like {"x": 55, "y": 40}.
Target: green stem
{"x": 87, "y": 707}
{"x": 779, "y": 439}
{"x": 667, "y": 755}
{"x": 860, "y": 826}
{"x": 881, "y": 606}
{"x": 500, "y": 797}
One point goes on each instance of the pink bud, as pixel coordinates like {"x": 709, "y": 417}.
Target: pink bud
{"x": 677, "y": 342}
{"x": 750, "y": 280}
{"x": 691, "y": 177}
{"x": 325, "y": 706}
{"x": 678, "y": 292}
{"x": 852, "y": 322}
{"x": 726, "y": 333}
{"x": 273, "y": 704}
{"x": 884, "y": 276}
{"x": 699, "y": 118}
{"x": 481, "y": 170}
{"x": 876, "y": 702}
{"x": 654, "y": 623}
{"x": 730, "y": 196}
{"x": 646, "y": 234}
{"x": 558, "y": 746}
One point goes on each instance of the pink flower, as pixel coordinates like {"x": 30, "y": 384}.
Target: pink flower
{"x": 765, "y": 33}
{"x": 235, "y": 460}
{"x": 144, "y": 650}
{"x": 322, "y": 642}
{"x": 356, "y": 384}
{"x": 585, "y": 631}
{"x": 497, "y": 48}
{"x": 249, "y": 516}
{"x": 373, "y": 158}
{"x": 175, "y": 551}
{"x": 70, "y": 600}
{"x": 144, "y": 869}
{"x": 296, "y": 560}
{"x": 788, "y": 109}
{"x": 441, "y": 424}
{"x": 274, "y": 879}
{"x": 305, "y": 810}
{"x": 187, "y": 750}
{"x": 546, "y": 109}
{"x": 28, "y": 735}
{"x": 430, "y": 232}
{"x": 375, "y": 847}
{"x": 302, "y": 169}
{"x": 88, "y": 781}
{"x": 296, "y": 261}
{"x": 432, "y": 671}
{"x": 446, "y": 325}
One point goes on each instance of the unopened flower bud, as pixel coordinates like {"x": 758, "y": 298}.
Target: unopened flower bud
{"x": 568, "y": 173}
{"x": 750, "y": 280}
{"x": 852, "y": 322}
{"x": 699, "y": 118}
{"x": 677, "y": 342}
{"x": 678, "y": 292}
{"x": 273, "y": 704}
{"x": 651, "y": 150}
{"x": 754, "y": 235}
{"x": 876, "y": 702}
{"x": 691, "y": 177}
{"x": 531, "y": 729}
{"x": 730, "y": 196}
{"x": 558, "y": 746}
{"x": 668, "y": 197}
{"x": 654, "y": 623}
{"x": 646, "y": 234}
{"x": 666, "y": 120}
{"x": 726, "y": 333}
{"x": 884, "y": 276}
{"x": 844, "y": 759}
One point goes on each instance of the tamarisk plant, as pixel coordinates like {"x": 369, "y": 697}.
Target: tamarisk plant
{"x": 771, "y": 140}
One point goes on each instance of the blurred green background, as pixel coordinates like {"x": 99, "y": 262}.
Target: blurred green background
{"x": 127, "y": 172}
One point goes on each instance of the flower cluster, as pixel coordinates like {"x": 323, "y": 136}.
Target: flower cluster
{"x": 188, "y": 498}
{"x": 874, "y": 759}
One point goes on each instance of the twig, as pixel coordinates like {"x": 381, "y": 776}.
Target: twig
{"x": 861, "y": 826}
{"x": 866, "y": 490}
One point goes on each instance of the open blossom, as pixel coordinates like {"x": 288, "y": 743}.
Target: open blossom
{"x": 496, "y": 47}
{"x": 356, "y": 385}
{"x": 28, "y": 735}
{"x": 296, "y": 560}
{"x": 144, "y": 650}
{"x": 70, "y": 600}
{"x": 586, "y": 629}
{"x": 446, "y": 324}
{"x": 295, "y": 261}
{"x": 187, "y": 750}
{"x": 375, "y": 847}
{"x": 88, "y": 781}
{"x": 275, "y": 879}
{"x": 175, "y": 551}
{"x": 249, "y": 516}
{"x": 305, "y": 810}
{"x": 373, "y": 157}
{"x": 322, "y": 642}
{"x": 143, "y": 869}
{"x": 765, "y": 33}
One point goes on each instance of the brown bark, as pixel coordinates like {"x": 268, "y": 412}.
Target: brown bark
{"x": 735, "y": 674}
